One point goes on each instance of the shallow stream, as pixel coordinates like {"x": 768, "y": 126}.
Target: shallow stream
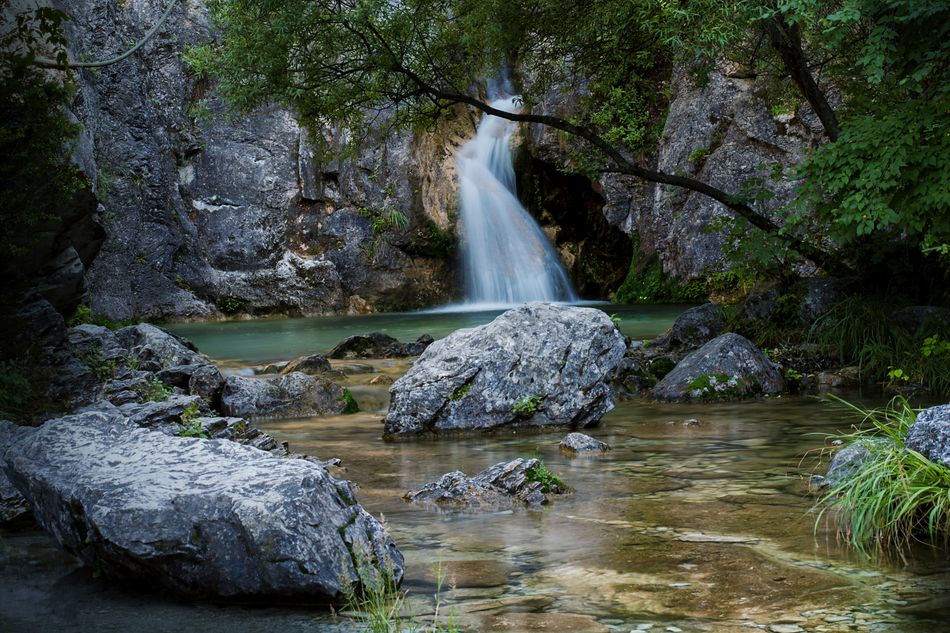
{"x": 699, "y": 526}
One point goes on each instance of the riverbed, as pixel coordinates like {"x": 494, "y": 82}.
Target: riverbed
{"x": 697, "y": 519}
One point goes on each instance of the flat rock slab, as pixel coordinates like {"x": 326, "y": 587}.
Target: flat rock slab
{"x": 495, "y": 488}
{"x": 726, "y": 368}
{"x": 536, "y": 365}
{"x": 290, "y": 395}
{"x": 197, "y": 517}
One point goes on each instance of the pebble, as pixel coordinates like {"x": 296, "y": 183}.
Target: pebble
{"x": 785, "y": 628}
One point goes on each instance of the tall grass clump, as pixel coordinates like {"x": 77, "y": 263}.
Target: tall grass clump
{"x": 859, "y": 331}
{"x": 380, "y": 606}
{"x": 895, "y": 496}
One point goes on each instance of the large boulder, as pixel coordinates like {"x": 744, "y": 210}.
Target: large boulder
{"x": 198, "y": 517}
{"x": 291, "y": 395}
{"x": 539, "y": 364}
{"x": 494, "y": 488}
{"x": 929, "y": 435}
{"x": 727, "y": 367}
{"x": 313, "y": 364}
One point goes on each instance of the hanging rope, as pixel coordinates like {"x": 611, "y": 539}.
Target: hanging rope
{"x": 45, "y": 62}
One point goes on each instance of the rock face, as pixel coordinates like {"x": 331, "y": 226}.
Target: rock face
{"x": 204, "y": 214}
{"x": 574, "y": 443}
{"x": 540, "y": 364}
{"x": 198, "y": 517}
{"x": 727, "y": 367}
{"x": 930, "y": 434}
{"x": 14, "y": 509}
{"x": 494, "y": 488}
{"x": 294, "y": 394}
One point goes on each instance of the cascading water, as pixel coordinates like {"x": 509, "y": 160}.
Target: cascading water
{"x": 506, "y": 257}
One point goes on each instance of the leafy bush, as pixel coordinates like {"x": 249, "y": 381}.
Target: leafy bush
{"x": 154, "y": 390}
{"x": 895, "y": 495}
{"x": 190, "y": 425}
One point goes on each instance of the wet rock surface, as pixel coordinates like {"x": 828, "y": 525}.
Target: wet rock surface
{"x": 495, "y": 488}
{"x": 727, "y": 367}
{"x": 537, "y": 365}
{"x": 312, "y": 364}
{"x": 929, "y": 435}
{"x": 197, "y": 517}
{"x": 293, "y": 394}
{"x": 574, "y": 443}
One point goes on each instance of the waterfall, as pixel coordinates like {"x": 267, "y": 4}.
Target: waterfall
{"x": 506, "y": 257}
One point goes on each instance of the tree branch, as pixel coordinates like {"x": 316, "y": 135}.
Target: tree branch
{"x": 786, "y": 39}
{"x": 44, "y": 62}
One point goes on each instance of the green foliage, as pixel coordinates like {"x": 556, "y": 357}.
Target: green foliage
{"x": 896, "y": 495}
{"x": 190, "y": 425}
{"x": 858, "y": 331}
{"x": 550, "y": 482}
{"x": 231, "y": 305}
{"x": 100, "y": 367}
{"x": 461, "y": 392}
{"x": 36, "y": 176}
{"x": 660, "y": 367}
{"x": 349, "y": 402}
{"x": 84, "y": 314}
{"x": 154, "y": 390}
{"x": 16, "y": 388}
{"x": 527, "y": 406}
{"x": 381, "y": 607}
{"x": 652, "y": 285}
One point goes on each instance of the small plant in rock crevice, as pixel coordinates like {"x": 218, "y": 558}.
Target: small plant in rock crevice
{"x": 461, "y": 392}
{"x": 549, "y": 481}
{"x": 527, "y": 406}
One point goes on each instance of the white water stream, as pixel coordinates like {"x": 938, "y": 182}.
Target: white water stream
{"x": 507, "y": 259}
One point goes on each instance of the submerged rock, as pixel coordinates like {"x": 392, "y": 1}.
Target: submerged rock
{"x": 294, "y": 394}
{"x": 494, "y": 488}
{"x": 579, "y": 443}
{"x": 537, "y": 365}
{"x": 929, "y": 435}
{"x": 727, "y": 367}
{"x": 313, "y": 364}
{"x": 848, "y": 459}
{"x": 198, "y": 517}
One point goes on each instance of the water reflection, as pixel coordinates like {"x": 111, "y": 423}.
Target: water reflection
{"x": 703, "y": 526}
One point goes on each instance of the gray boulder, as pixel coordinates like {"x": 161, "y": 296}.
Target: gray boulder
{"x": 206, "y": 382}
{"x": 494, "y": 488}
{"x": 695, "y": 327}
{"x": 197, "y": 517}
{"x": 536, "y": 365}
{"x": 294, "y": 394}
{"x": 164, "y": 416}
{"x": 372, "y": 345}
{"x": 313, "y": 364}
{"x": 727, "y": 367}
{"x": 151, "y": 344}
{"x": 929, "y": 435}
{"x": 849, "y": 459}
{"x": 574, "y": 443}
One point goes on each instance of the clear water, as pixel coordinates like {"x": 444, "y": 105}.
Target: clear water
{"x": 506, "y": 257}
{"x": 679, "y": 527}
{"x": 266, "y": 340}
